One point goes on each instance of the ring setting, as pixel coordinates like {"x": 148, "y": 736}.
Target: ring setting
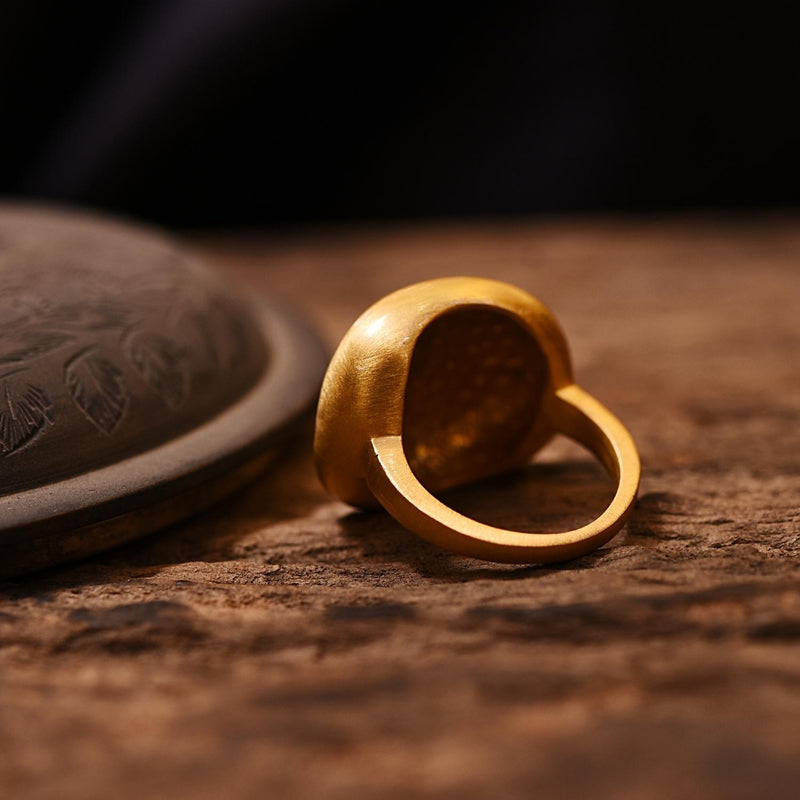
{"x": 451, "y": 381}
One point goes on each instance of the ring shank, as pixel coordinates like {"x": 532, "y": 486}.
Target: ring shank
{"x": 575, "y": 414}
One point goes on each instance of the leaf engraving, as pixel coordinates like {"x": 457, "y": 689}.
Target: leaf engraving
{"x": 28, "y": 343}
{"x": 163, "y": 365}
{"x": 97, "y": 387}
{"x": 24, "y": 411}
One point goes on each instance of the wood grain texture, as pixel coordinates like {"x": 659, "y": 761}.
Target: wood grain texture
{"x": 285, "y": 646}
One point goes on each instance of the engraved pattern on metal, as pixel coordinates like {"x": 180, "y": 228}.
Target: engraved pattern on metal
{"x": 136, "y": 388}
{"x": 112, "y": 338}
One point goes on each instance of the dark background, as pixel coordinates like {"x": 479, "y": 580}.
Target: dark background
{"x": 257, "y": 112}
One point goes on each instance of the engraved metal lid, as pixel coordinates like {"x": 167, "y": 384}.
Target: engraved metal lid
{"x": 135, "y": 386}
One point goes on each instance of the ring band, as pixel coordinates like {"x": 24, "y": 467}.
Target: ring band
{"x": 363, "y": 436}
{"x": 581, "y": 418}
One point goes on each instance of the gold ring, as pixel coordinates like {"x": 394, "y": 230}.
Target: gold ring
{"x": 450, "y": 381}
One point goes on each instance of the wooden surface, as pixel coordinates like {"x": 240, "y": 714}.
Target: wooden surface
{"x": 284, "y": 646}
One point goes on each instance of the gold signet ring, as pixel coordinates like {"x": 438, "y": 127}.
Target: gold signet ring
{"x": 451, "y": 381}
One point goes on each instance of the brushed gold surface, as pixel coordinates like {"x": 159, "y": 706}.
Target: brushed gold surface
{"x": 450, "y": 381}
